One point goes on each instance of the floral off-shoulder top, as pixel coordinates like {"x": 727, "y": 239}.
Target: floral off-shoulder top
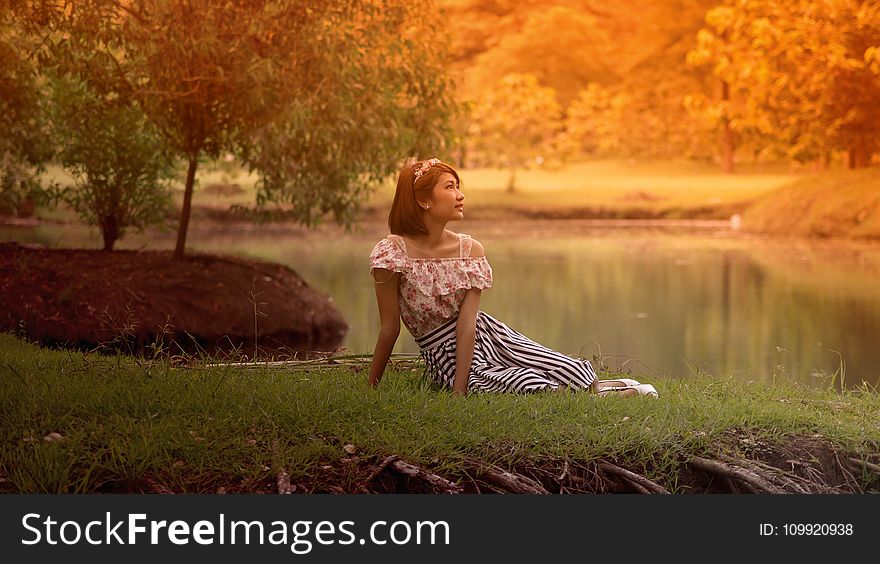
{"x": 431, "y": 290}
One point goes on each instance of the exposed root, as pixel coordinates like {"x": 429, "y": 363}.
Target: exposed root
{"x": 382, "y": 466}
{"x": 736, "y": 473}
{"x": 437, "y": 483}
{"x": 508, "y": 482}
{"x": 847, "y": 474}
{"x": 637, "y": 481}
{"x": 863, "y": 465}
{"x": 776, "y": 476}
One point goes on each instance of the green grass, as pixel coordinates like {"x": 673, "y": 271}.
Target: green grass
{"x": 201, "y": 429}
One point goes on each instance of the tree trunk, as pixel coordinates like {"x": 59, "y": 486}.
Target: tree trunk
{"x": 187, "y": 205}
{"x": 109, "y": 220}
{"x": 727, "y": 147}
{"x": 109, "y": 231}
{"x": 859, "y": 155}
{"x": 511, "y": 182}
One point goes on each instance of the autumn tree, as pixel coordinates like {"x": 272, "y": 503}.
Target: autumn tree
{"x": 618, "y": 68}
{"x": 24, "y": 146}
{"x": 516, "y": 124}
{"x": 594, "y": 121}
{"x": 315, "y": 97}
{"x": 565, "y": 48}
{"x": 796, "y": 75}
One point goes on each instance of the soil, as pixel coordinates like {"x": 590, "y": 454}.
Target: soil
{"x": 145, "y": 301}
{"x": 745, "y": 464}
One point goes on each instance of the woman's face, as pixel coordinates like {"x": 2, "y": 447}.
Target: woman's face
{"x": 447, "y": 200}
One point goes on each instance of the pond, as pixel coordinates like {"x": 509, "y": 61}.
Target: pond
{"x": 669, "y": 301}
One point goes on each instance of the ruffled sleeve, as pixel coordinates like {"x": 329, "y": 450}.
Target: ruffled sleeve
{"x": 438, "y": 278}
{"x": 387, "y": 254}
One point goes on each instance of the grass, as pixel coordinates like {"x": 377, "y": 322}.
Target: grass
{"x": 615, "y": 185}
{"x": 834, "y": 204}
{"x": 198, "y": 430}
{"x": 610, "y": 185}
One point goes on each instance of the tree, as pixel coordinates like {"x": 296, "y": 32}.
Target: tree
{"x": 632, "y": 52}
{"x": 379, "y": 92}
{"x": 282, "y": 84}
{"x": 118, "y": 160}
{"x": 563, "y": 47}
{"x": 516, "y": 124}
{"x": 796, "y": 73}
{"x": 594, "y": 121}
{"x": 23, "y": 142}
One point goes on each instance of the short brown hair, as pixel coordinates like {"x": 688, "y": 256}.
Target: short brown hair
{"x": 406, "y": 214}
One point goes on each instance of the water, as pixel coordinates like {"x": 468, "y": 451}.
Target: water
{"x": 656, "y": 301}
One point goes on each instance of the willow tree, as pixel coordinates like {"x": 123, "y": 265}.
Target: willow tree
{"x": 318, "y": 98}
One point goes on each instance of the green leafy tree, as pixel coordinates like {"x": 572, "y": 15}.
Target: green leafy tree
{"x": 118, "y": 160}
{"x": 516, "y": 124}
{"x": 318, "y": 98}
{"x": 377, "y": 89}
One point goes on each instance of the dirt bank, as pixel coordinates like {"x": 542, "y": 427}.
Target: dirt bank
{"x": 840, "y": 204}
{"x": 141, "y": 300}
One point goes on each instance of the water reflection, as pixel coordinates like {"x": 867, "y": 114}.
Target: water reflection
{"x": 645, "y": 300}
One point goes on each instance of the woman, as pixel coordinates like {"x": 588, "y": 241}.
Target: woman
{"x": 432, "y": 278}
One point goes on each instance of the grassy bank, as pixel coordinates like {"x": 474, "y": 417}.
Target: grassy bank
{"x": 611, "y": 188}
{"x": 75, "y": 422}
{"x": 833, "y": 204}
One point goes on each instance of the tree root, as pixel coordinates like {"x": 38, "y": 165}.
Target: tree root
{"x": 563, "y": 475}
{"x": 509, "y": 482}
{"x": 437, "y": 483}
{"x": 736, "y": 473}
{"x": 863, "y": 465}
{"x": 382, "y": 466}
{"x": 786, "y": 481}
{"x": 637, "y": 481}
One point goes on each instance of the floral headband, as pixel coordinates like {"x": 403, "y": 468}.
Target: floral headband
{"x": 424, "y": 166}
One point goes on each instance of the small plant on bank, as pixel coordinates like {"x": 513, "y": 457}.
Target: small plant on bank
{"x": 119, "y": 163}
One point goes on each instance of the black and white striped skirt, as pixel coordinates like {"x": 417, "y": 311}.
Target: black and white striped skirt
{"x": 504, "y": 360}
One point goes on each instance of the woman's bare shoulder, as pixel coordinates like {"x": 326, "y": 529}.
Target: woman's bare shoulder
{"x": 477, "y": 249}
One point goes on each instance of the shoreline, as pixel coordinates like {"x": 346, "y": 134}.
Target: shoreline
{"x": 321, "y": 429}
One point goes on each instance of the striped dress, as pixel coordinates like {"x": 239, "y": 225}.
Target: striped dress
{"x": 431, "y": 292}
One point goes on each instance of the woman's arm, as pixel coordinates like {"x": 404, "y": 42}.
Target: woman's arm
{"x": 466, "y": 330}
{"x": 386, "y": 283}
{"x": 465, "y": 334}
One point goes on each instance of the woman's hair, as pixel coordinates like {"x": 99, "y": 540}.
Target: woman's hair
{"x": 406, "y": 213}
